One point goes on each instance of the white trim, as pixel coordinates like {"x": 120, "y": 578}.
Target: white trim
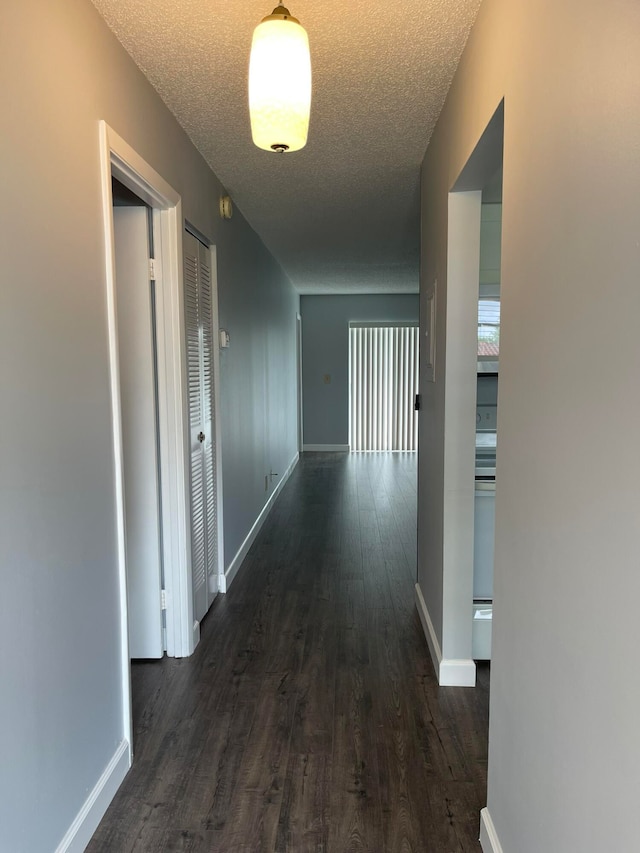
{"x": 120, "y": 160}
{"x": 217, "y": 412}
{"x": 174, "y": 446}
{"x": 457, "y": 672}
{"x": 116, "y": 428}
{"x": 342, "y": 448}
{"x": 226, "y": 580}
{"x": 452, "y": 672}
{"x": 489, "y": 840}
{"x": 94, "y": 807}
{"x": 429, "y": 630}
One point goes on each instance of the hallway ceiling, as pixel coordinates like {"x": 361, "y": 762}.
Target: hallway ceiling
{"x": 342, "y": 215}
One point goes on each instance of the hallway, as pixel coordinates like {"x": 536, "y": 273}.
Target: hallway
{"x": 309, "y": 717}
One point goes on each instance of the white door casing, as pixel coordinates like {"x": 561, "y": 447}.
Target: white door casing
{"x": 120, "y": 160}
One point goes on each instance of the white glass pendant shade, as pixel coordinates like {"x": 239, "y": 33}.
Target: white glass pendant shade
{"x": 280, "y": 83}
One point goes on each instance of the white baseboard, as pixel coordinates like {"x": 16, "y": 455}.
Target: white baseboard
{"x": 325, "y": 448}
{"x": 195, "y": 635}
{"x": 488, "y": 836}
{"x": 86, "y": 822}
{"x": 457, "y": 672}
{"x": 452, "y": 672}
{"x": 429, "y": 630}
{"x": 226, "y": 580}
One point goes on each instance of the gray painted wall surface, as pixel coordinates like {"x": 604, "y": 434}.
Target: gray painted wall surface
{"x": 564, "y": 754}
{"x": 258, "y": 380}
{"x": 60, "y": 713}
{"x": 325, "y": 350}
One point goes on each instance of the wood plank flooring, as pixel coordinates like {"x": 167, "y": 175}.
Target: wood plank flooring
{"x": 310, "y": 719}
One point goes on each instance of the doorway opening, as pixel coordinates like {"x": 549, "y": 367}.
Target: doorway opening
{"x": 471, "y": 397}
{"x": 167, "y": 447}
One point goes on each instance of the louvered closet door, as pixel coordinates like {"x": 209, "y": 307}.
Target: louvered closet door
{"x": 209, "y": 462}
{"x": 200, "y": 343}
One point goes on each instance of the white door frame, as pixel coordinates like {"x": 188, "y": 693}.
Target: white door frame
{"x": 220, "y": 580}
{"x": 119, "y": 160}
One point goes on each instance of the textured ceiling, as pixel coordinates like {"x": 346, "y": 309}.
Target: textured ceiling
{"x": 342, "y": 215}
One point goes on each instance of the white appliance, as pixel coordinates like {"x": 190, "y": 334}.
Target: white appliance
{"x": 484, "y": 515}
{"x": 483, "y": 546}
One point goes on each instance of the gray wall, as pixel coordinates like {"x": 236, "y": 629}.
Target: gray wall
{"x": 60, "y": 713}
{"x": 564, "y": 753}
{"x": 325, "y": 351}
{"x": 258, "y": 380}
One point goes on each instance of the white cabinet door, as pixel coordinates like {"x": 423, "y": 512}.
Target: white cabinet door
{"x": 139, "y": 437}
{"x": 200, "y": 374}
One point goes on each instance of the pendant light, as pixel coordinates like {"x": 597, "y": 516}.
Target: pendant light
{"x": 280, "y": 83}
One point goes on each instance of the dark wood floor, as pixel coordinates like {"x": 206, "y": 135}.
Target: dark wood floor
{"x": 309, "y": 718}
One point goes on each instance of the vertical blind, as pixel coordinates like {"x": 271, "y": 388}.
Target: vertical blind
{"x": 200, "y": 383}
{"x": 384, "y": 382}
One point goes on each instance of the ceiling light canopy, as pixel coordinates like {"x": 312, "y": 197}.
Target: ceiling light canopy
{"x": 280, "y": 83}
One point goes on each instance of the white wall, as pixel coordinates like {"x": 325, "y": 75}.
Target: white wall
{"x": 564, "y": 755}
{"x": 60, "y": 711}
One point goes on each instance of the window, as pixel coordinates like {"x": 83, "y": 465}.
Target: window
{"x": 488, "y": 328}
